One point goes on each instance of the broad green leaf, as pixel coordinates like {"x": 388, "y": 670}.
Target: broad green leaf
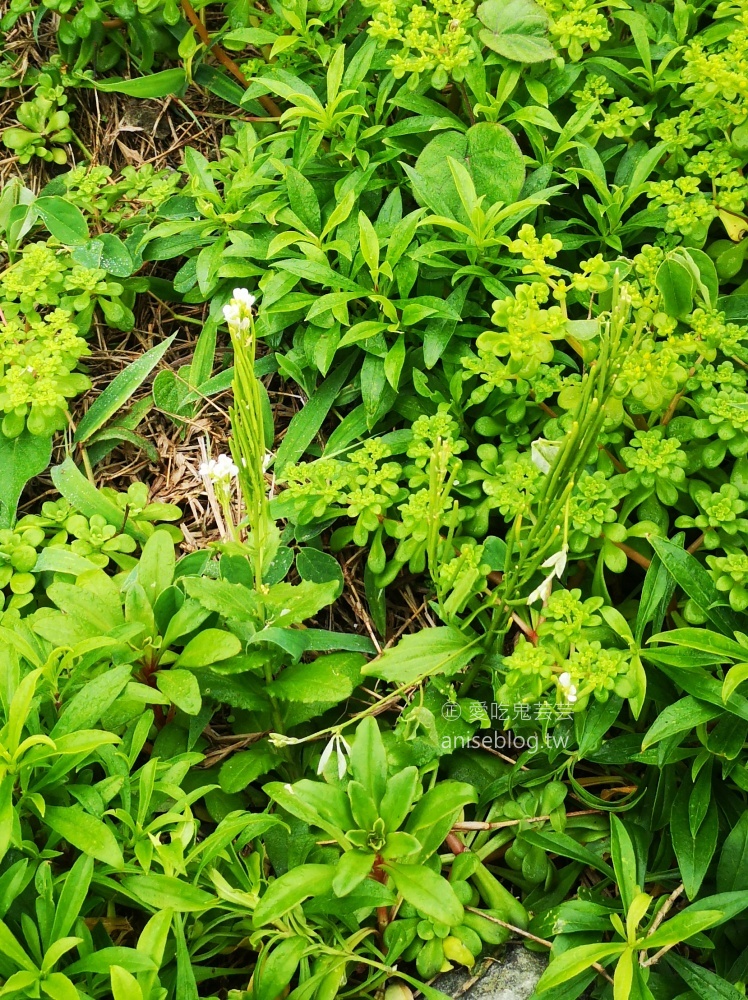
{"x": 328, "y": 678}
{"x": 435, "y": 651}
{"x": 351, "y": 870}
{"x": 436, "y": 811}
{"x": 21, "y": 458}
{"x": 683, "y": 926}
{"x": 64, "y": 220}
{"x": 430, "y": 893}
{"x": 167, "y": 892}
{"x": 181, "y": 688}
{"x": 491, "y": 156}
{"x": 704, "y": 640}
{"x": 84, "y": 831}
{"x": 292, "y": 888}
{"x": 91, "y": 702}
{"x": 676, "y": 285}
{"x": 517, "y": 30}
{"x": 693, "y": 853}
{"x": 276, "y": 967}
{"x": 209, "y": 646}
{"x": 84, "y": 496}
{"x": 681, "y": 717}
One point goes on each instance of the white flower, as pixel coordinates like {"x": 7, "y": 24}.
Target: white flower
{"x": 557, "y": 562}
{"x": 219, "y": 470}
{"x": 238, "y": 313}
{"x": 341, "y": 747}
{"x": 543, "y": 452}
{"x": 543, "y": 592}
{"x": 568, "y": 690}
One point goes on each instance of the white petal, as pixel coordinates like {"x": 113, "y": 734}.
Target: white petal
{"x": 326, "y": 754}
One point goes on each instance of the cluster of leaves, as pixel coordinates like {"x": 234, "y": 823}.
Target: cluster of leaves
{"x": 499, "y": 250}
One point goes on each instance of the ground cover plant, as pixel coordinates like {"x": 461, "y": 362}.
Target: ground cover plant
{"x": 373, "y": 497}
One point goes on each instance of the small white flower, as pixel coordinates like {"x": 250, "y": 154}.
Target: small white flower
{"x": 568, "y": 690}
{"x": 242, "y": 296}
{"x": 269, "y": 456}
{"x": 543, "y": 592}
{"x": 543, "y": 453}
{"x": 219, "y": 470}
{"x": 238, "y": 313}
{"x": 337, "y": 744}
{"x": 557, "y": 562}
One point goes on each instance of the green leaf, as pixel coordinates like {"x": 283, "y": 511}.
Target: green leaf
{"x": 108, "y": 252}
{"x": 675, "y": 283}
{"x": 368, "y": 759}
{"x": 241, "y": 769}
{"x": 88, "y": 705}
{"x": 328, "y": 678}
{"x": 705, "y": 984}
{"x": 321, "y": 567}
{"x": 430, "y": 893}
{"x": 732, "y": 869}
{"x": 210, "y": 646}
{"x": 351, "y": 870}
{"x": 165, "y": 892}
{"x": 168, "y": 81}
{"x": 84, "y": 496}
{"x": 491, "y": 156}
{"x": 567, "y": 847}
{"x": 308, "y": 421}
{"x": 570, "y": 963}
{"x": 102, "y": 960}
{"x": 21, "y": 458}
{"x": 624, "y": 861}
{"x": 436, "y": 811}
{"x": 681, "y": 717}
{"x": 276, "y": 967}
{"x": 444, "y": 651}
{"x": 697, "y": 584}
{"x": 704, "y": 640}
{"x": 181, "y": 688}
{"x": 84, "y": 831}
{"x": 516, "y": 30}
{"x": 64, "y": 220}
{"x": 119, "y": 390}
{"x": 683, "y": 926}
{"x": 693, "y": 853}
{"x": 291, "y": 889}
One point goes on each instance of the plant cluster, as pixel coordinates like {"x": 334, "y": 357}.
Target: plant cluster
{"x": 495, "y": 256}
